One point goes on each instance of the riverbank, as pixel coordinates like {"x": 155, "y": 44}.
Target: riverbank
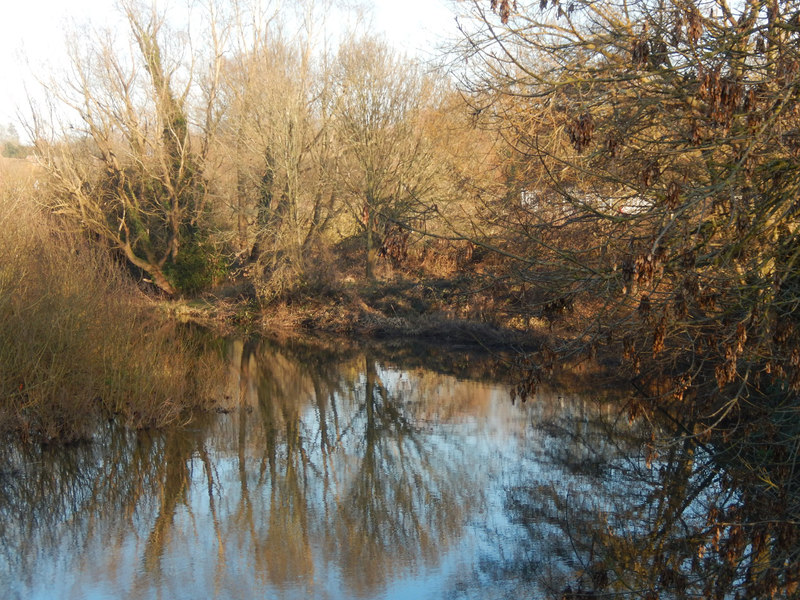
{"x": 449, "y": 311}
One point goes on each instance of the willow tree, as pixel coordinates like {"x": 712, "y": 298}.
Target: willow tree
{"x": 130, "y": 171}
{"x": 658, "y": 146}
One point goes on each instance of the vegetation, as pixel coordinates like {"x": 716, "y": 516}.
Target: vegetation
{"x": 614, "y": 177}
{"x": 77, "y": 341}
{"x": 654, "y": 154}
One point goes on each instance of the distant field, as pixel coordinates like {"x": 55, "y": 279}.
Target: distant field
{"x": 16, "y": 173}
{"x": 16, "y": 166}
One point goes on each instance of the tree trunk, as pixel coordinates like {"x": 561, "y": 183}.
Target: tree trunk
{"x": 371, "y": 253}
{"x": 241, "y": 196}
{"x": 161, "y": 280}
{"x": 152, "y": 269}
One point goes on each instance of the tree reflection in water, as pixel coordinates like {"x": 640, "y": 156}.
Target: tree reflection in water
{"x": 328, "y": 481}
{"x": 337, "y": 476}
{"x": 343, "y": 466}
{"x": 673, "y": 522}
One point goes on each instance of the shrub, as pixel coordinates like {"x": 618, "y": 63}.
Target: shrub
{"x": 77, "y": 340}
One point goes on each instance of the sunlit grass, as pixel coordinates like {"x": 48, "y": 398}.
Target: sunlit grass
{"x": 78, "y": 341}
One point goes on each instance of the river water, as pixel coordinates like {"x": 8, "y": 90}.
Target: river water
{"x": 336, "y": 473}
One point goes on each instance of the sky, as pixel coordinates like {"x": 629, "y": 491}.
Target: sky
{"x": 32, "y": 34}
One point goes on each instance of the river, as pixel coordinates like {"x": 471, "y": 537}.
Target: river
{"x": 341, "y": 472}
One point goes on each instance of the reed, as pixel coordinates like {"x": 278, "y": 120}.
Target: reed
{"x": 78, "y": 342}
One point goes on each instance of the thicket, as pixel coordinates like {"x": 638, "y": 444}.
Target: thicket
{"x": 654, "y": 163}
{"x": 255, "y": 155}
{"x": 78, "y": 341}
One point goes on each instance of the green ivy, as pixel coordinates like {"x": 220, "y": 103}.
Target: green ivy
{"x": 197, "y": 267}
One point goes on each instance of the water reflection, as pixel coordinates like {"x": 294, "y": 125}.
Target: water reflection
{"x": 344, "y": 473}
{"x": 332, "y": 455}
{"x": 671, "y": 520}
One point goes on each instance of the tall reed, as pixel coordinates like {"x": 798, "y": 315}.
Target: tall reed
{"x": 78, "y": 341}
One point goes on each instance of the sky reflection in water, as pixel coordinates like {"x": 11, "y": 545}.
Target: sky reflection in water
{"x": 349, "y": 477}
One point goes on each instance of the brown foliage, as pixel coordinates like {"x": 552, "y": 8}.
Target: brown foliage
{"x": 78, "y": 342}
{"x": 680, "y": 235}
{"x": 504, "y": 8}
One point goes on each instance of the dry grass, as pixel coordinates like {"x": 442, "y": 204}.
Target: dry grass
{"x": 77, "y": 340}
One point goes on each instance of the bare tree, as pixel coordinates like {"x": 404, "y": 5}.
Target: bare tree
{"x": 278, "y": 142}
{"x": 386, "y": 161}
{"x": 132, "y": 172}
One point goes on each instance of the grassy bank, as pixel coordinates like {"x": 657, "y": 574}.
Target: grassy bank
{"x": 78, "y": 341}
{"x": 397, "y": 309}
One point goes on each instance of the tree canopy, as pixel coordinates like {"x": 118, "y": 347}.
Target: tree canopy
{"x": 654, "y": 186}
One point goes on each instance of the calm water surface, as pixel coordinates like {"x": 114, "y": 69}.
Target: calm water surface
{"x": 337, "y": 474}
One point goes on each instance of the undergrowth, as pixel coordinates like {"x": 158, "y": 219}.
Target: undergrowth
{"x": 78, "y": 342}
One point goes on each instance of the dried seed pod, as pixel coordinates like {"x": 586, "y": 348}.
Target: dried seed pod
{"x": 503, "y": 8}
{"x": 659, "y": 335}
{"x": 650, "y": 174}
{"x": 673, "y": 194}
{"x": 612, "y": 146}
{"x": 580, "y": 131}
{"x": 696, "y": 134}
{"x": 694, "y": 28}
{"x": 640, "y": 52}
